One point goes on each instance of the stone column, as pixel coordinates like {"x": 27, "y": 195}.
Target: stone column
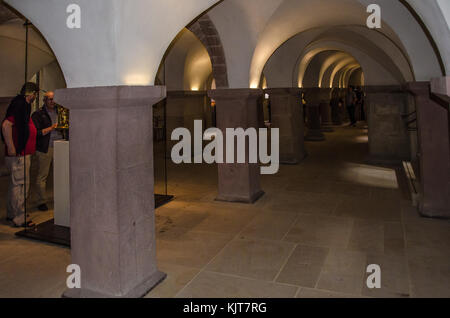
{"x": 287, "y": 115}
{"x": 238, "y": 108}
{"x": 389, "y": 140}
{"x": 111, "y": 189}
{"x": 336, "y": 111}
{"x": 183, "y": 108}
{"x": 434, "y": 158}
{"x": 314, "y": 132}
{"x": 344, "y": 111}
{"x": 325, "y": 109}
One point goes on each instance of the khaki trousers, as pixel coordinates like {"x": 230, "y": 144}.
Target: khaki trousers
{"x": 19, "y": 168}
{"x": 44, "y": 161}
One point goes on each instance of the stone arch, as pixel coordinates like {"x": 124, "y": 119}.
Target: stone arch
{"x": 205, "y": 30}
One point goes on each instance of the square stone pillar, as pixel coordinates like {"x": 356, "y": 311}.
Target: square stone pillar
{"x": 183, "y": 108}
{"x": 111, "y": 189}
{"x": 434, "y": 159}
{"x": 336, "y": 111}
{"x": 314, "y": 132}
{"x": 325, "y": 109}
{"x": 344, "y": 112}
{"x": 287, "y": 115}
{"x": 238, "y": 108}
{"x": 389, "y": 139}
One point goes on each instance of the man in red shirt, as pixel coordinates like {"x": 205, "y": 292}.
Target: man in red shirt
{"x": 19, "y": 135}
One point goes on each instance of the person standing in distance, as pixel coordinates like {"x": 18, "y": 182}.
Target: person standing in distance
{"x": 46, "y": 122}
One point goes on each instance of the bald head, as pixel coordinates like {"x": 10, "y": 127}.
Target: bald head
{"x": 48, "y": 100}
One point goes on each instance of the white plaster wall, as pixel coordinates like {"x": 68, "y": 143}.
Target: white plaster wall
{"x": 436, "y": 16}
{"x": 421, "y": 54}
{"x": 176, "y": 59}
{"x": 239, "y": 24}
{"x": 187, "y": 64}
{"x": 12, "y": 56}
{"x": 52, "y": 77}
{"x": 197, "y": 68}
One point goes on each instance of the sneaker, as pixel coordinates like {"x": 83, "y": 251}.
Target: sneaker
{"x": 43, "y": 207}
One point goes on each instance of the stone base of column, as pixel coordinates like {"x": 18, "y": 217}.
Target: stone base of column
{"x": 314, "y": 131}
{"x": 315, "y": 136}
{"x": 325, "y": 109}
{"x": 250, "y": 198}
{"x": 337, "y": 117}
{"x": 111, "y": 189}
{"x": 138, "y": 292}
{"x": 238, "y": 108}
{"x": 287, "y": 116}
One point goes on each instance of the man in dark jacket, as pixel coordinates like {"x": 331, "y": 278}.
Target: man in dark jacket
{"x": 19, "y": 136}
{"x": 46, "y": 121}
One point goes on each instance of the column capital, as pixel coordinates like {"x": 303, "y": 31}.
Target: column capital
{"x": 325, "y": 94}
{"x": 441, "y": 85}
{"x": 294, "y": 91}
{"x": 237, "y": 93}
{"x": 312, "y": 95}
{"x": 382, "y": 89}
{"x": 109, "y": 96}
{"x": 186, "y": 93}
{"x": 418, "y": 88}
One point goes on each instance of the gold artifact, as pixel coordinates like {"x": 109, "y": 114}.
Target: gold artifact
{"x": 63, "y": 117}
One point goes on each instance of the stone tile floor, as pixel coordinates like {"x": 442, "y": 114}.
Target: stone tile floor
{"x": 313, "y": 234}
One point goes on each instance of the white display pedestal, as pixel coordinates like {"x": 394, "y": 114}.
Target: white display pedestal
{"x": 61, "y": 172}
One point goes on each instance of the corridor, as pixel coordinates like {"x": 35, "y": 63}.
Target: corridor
{"x": 313, "y": 234}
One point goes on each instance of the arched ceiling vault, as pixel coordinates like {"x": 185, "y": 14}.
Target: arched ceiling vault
{"x": 338, "y": 39}
{"x": 345, "y": 75}
{"x": 251, "y": 31}
{"x": 331, "y": 60}
{"x": 287, "y": 66}
{"x": 407, "y": 30}
{"x": 328, "y": 77}
{"x": 342, "y": 66}
{"x": 187, "y": 64}
{"x": 120, "y": 42}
